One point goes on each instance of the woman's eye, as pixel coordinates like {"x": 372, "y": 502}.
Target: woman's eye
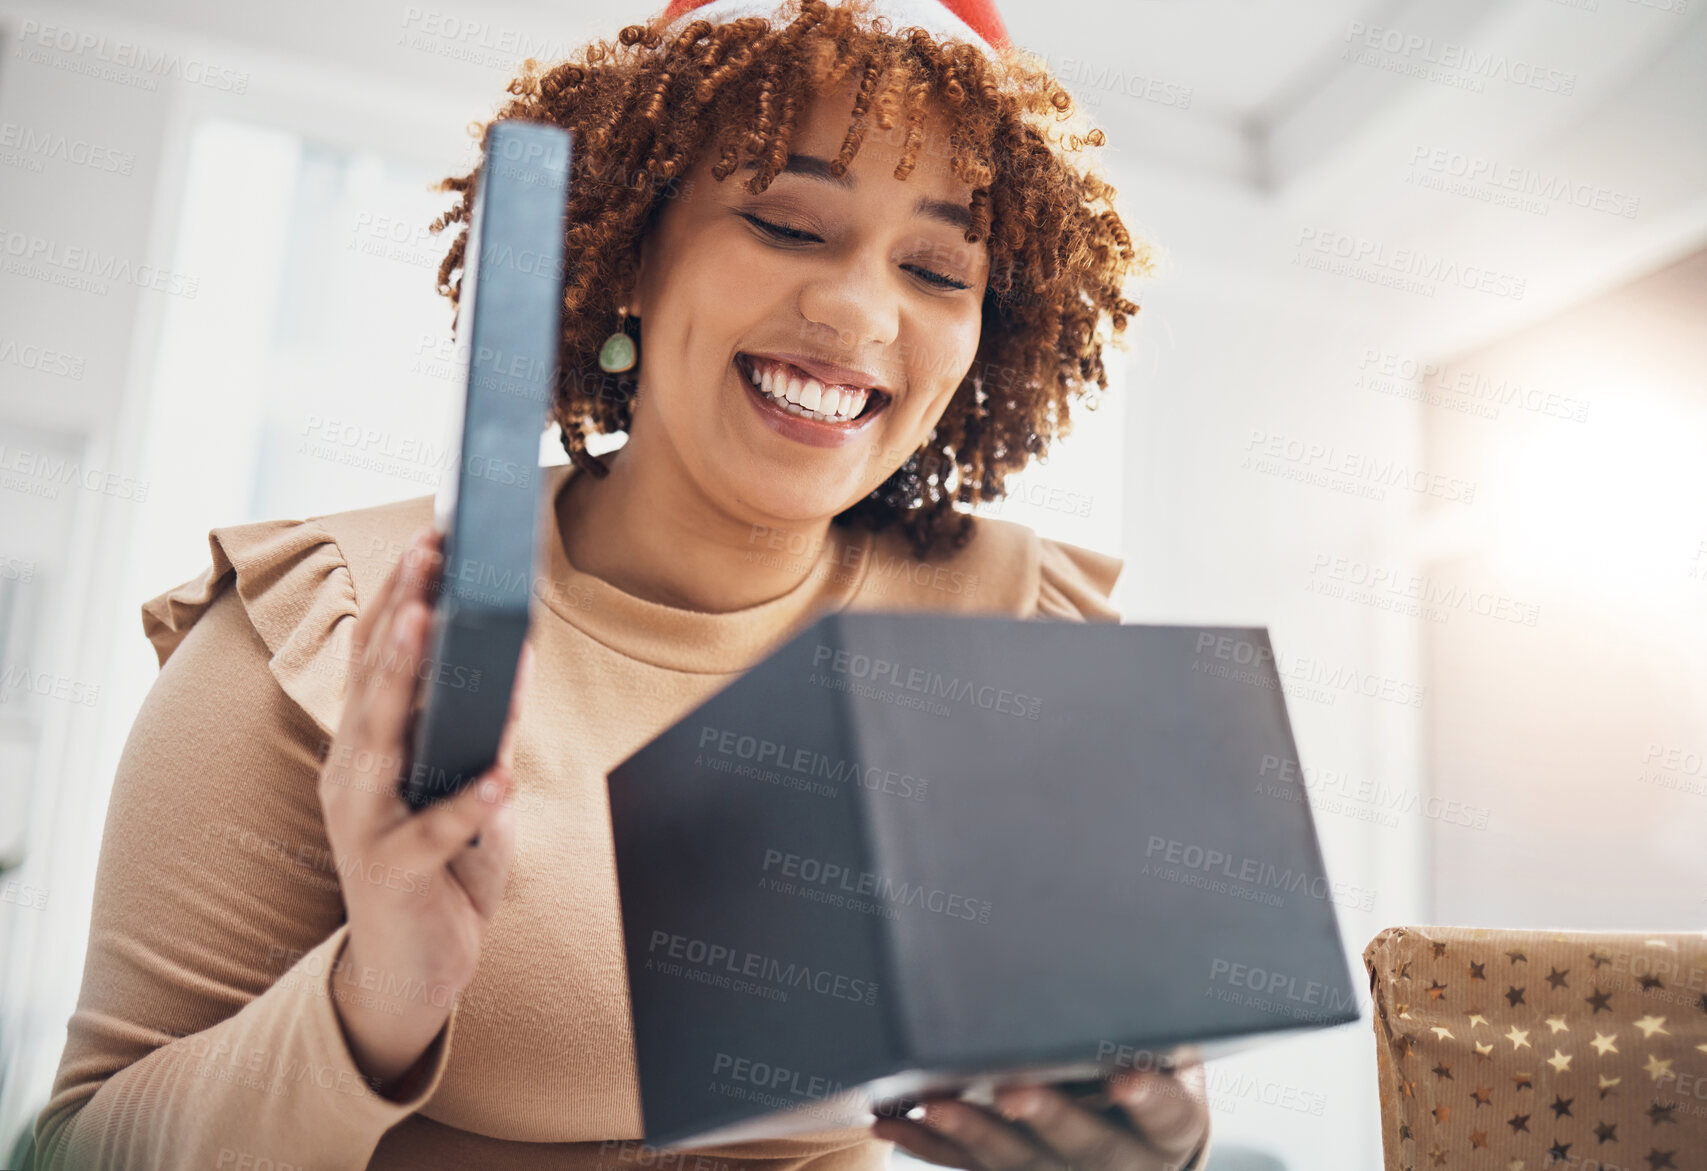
{"x": 777, "y": 229}
{"x": 793, "y": 234}
{"x": 936, "y": 278}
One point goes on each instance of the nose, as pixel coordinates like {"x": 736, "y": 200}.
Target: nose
{"x": 857, "y": 300}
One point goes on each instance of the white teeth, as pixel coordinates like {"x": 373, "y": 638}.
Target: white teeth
{"x": 808, "y": 396}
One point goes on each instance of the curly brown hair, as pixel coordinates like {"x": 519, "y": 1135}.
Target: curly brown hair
{"x": 643, "y": 111}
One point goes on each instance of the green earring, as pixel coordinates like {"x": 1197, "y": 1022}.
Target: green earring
{"x": 618, "y": 353}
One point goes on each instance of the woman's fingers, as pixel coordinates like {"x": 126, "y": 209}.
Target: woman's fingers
{"x": 991, "y": 1142}
{"x": 379, "y": 713}
{"x": 377, "y": 614}
{"x": 1170, "y": 1110}
{"x": 924, "y": 1143}
{"x": 441, "y": 830}
{"x": 1041, "y": 1128}
{"x": 482, "y": 869}
{"x": 410, "y": 577}
{"x": 368, "y": 619}
{"x": 1081, "y": 1137}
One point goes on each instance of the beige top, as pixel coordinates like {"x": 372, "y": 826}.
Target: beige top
{"x": 205, "y": 1036}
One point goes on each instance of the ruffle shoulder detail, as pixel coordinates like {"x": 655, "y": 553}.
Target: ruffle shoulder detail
{"x": 1076, "y": 583}
{"x": 299, "y": 595}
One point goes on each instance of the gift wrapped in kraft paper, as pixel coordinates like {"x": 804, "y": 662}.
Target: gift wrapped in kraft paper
{"x": 1524, "y": 1050}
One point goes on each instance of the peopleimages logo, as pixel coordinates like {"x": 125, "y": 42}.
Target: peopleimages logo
{"x": 87, "y": 269}
{"x": 125, "y": 55}
{"x": 1376, "y": 257}
{"x": 33, "y": 145}
{"x": 809, "y": 762}
{"x": 1248, "y": 878}
{"x": 1417, "y": 52}
{"x": 926, "y": 682}
{"x": 814, "y": 872}
{"x": 724, "y": 966}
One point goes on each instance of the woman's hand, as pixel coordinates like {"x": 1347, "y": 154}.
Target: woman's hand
{"x": 1044, "y": 1130}
{"x": 418, "y": 890}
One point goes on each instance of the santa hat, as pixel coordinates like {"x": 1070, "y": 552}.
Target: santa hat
{"x": 974, "y": 21}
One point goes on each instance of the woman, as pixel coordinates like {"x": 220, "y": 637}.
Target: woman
{"x": 841, "y": 337}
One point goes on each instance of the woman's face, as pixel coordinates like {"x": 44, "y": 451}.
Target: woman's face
{"x": 868, "y": 273}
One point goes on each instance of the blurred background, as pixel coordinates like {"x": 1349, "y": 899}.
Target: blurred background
{"x": 1421, "y": 386}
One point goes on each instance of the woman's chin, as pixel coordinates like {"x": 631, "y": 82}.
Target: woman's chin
{"x": 808, "y": 507}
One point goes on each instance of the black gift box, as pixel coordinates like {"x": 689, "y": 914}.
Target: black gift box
{"x": 510, "y": 310}
{"x": 916, "y": 851}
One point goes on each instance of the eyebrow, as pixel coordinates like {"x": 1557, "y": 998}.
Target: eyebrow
{"x": 813, "y": 167}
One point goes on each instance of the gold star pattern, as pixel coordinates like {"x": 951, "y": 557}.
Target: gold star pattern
{"x": 1616, "y": 1120}
{"x": 1653, "y": 1024}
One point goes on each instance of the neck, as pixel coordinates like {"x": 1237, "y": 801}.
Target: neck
{"x": 648, "y": 531}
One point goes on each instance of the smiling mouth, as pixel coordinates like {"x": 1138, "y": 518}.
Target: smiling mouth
{"x": 793, "y": 390}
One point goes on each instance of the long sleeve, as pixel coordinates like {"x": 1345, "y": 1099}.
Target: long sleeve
{"x": 205, "y": 1034}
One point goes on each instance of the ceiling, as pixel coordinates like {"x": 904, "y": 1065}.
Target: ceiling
{"x": 1232, "y": 125}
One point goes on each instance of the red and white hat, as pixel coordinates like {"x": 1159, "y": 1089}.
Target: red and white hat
{"x": 974, "y": 21}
